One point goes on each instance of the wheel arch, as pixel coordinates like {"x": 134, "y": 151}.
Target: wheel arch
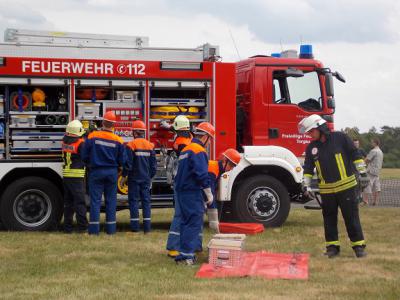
{"x": 280, "y": 173}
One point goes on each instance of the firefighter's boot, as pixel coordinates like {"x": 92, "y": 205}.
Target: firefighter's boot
{"x": 332, "y": 251}
{"x": 360, "y": 251}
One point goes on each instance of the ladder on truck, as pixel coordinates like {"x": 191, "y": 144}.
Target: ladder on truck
{"x": 47, "y": 44}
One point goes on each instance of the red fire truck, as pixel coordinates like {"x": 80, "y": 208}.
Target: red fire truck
{"x": 50, "y": 78}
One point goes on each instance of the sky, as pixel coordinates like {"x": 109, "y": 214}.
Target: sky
{"x": 358, "y": 38}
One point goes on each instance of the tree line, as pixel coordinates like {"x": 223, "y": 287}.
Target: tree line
{"x": 389, "y": 138}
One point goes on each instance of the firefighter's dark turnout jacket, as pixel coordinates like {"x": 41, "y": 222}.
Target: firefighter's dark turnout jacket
{"x": 334, "y": 161}
{"x": 73, "y": 166}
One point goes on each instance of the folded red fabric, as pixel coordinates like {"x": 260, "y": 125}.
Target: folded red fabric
{"x": 246, "y": 228}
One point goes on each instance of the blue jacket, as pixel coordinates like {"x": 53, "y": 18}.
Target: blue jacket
{"x": 192, "y": 168}
{"x": 104, "y": 149}
{"x": 142, "y": 158}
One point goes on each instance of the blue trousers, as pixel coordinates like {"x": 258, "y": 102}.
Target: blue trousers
{"x": 103, "y": 180}
{"x": 174, "y": 234}
{"x": 139, "y": 191}
{"x": 191, "y": 205}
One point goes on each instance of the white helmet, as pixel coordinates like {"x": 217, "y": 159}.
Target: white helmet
{"x": 181, "y": 123}
{"x": 75, "y": 127}
{"x": 310, "y": 122}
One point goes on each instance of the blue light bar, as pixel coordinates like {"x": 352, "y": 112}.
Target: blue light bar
{"x": 306, "y": 51}
{"x": 275, "y": 55}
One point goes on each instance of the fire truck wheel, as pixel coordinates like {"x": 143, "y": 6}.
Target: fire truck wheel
{"x": 262, "y": 199}
{"x": 31, "y": 203}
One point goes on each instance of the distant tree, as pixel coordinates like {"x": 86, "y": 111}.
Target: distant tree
{"x": 389, "y": 138}
{"x": 352, "y": 132}
{"x": 372, "y": 130}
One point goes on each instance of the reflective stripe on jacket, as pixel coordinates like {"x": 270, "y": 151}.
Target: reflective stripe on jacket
{"x": 334, "y": 161}
{"x": 142, "y": 160}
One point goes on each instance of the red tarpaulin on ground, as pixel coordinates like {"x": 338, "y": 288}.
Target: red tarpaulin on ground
{"x": 246, "y": 228}
{"x": 264, "y": 264}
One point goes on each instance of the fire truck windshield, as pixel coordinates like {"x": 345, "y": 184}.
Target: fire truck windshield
{"x": 303, "y": 91}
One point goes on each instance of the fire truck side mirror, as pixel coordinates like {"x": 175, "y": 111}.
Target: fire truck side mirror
{"x": 339, "y": 76}
{"x": 329, "y": 84}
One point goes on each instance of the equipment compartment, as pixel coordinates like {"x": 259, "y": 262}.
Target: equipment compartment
{"x": 24, "y": 98}
{"x": 125, "y": 99}
{"x": 170, "y": 99}
{"x": 37, "y": 112}
{"x": 36, "y": 141}
{"x": 169, "y": 102}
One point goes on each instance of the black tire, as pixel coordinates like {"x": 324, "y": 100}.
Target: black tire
{"x": 32, "y": 204}
{"x": 261, "y": 199}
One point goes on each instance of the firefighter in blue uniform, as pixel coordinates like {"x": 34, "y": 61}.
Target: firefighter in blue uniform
{"x": 74, "y": 177}
{"x": 104, "y": 153}
{"x": 335, "y": 158}
{"x": 191, "y": 184}
{"x": 230, "y": 158}
{"x": 143, "y": 168}
{"x": 181, "y": 126}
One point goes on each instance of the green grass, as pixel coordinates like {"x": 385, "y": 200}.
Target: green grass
{"x": 390, "y": 174}
{"x": 134, "y": 266}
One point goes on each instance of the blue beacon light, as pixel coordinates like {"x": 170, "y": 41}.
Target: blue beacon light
{"x": 306, "y": 51}
{"x": 275, "y": 55}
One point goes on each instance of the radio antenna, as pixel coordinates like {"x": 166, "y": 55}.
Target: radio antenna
{"x": 234, "y": 43}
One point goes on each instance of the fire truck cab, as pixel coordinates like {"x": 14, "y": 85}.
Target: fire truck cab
{"x": 50, "y": 78}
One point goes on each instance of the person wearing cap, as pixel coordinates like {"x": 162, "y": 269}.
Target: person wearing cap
{"x": 181, "y": 127}
{"x": 143, "y": 168}
{"x": 104, "y": 153}
{"x": 335, "y": 158}
{"x": 74, "y": 177}
{"x": 191, "y": 184}
{"x": 230, "y": 158}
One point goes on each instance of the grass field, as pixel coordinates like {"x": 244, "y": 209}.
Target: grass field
{"x": 390, "y": 173}
{"x": 134, "y": 266}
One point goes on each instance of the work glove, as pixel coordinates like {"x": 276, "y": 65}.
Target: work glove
{"x": 165, "y": 124}
{"x": 209, "y": 195}
{"x": 213, "y": 223}
{"x": 307, "y": 187}
{"x": 309, "y": 192}
{"x": 364, "y": 181}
